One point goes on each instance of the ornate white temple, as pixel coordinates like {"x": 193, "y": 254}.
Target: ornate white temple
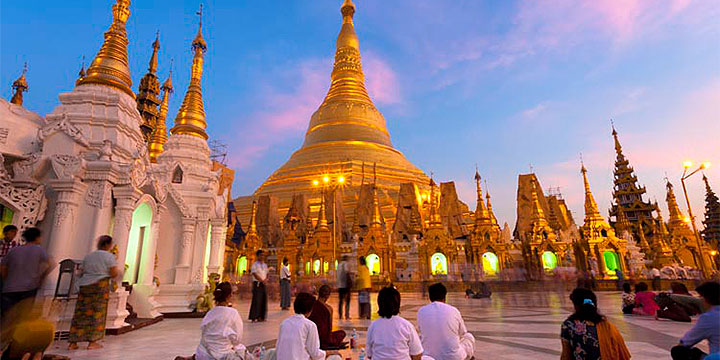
{"x": 97, "y": 165}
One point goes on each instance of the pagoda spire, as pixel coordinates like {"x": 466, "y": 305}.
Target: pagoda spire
{"x": 110, "y": 66}
{"x": 159, "y": 134}
{"x": 622, "y": 223}
{"x": 481, "y": 212}
{"x": 676, "y": 215}
{"x": 19, "y": 86}
{"x": 618, "y": 147}
{"x": 435, "y": 221}
{"x": 711, "y": 233}
{"x": 81, "y": 73}
{"x": 190, "y": 119}
{"x": 489, "y": 205}
{"x": 148, "y": 91}
{"x": 322, "y": 223}
{"x": 376, "y": 219}
{"x": 591, "y": 209}
{"x": 538, "y": 215}
{"x": 252, "y": 229}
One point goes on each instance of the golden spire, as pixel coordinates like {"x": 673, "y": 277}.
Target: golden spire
{"x": 110, "y": 66}
{"x": 252, "y": 229}
{"x": 591, "y": 209}
{"x": 641, "y": 233}
{"x": 376, "y": 219}
{"x": 81, "y": 73}
{"x": 190, "y": 119}
{"x": 322, "y": 223}
{"x": 481, "y": 213}
{"x": 147, "y": 97}
{"x": 538, "y": 214}
{"x": 435, "y": 221}
{"x": 661, "y": 221}
{"x": 19, "y": 87}
{"x": 489, "y": 206}
{"x": 622, "y": 223}
{"x": 675, "y": 215}
{"x": 618, "y": 148}
{"x": 159, "y": 134}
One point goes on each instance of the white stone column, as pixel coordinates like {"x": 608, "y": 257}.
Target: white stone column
{"x": 182, "y": 269}
{"x": 126, "y": 197}
{"x": 217, "y": 245}
{"x": 61, "y": 240}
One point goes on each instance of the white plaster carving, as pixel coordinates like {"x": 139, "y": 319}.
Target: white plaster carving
{"x": 66, "y": 166}
{"x": 24, "y": 170}
{"x": 98, "y": 194}
{"x": 29, "y": 203}
{"x": 62, "y": 124}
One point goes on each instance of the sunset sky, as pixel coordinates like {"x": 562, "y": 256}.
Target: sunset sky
{"x": 508, "y": 85}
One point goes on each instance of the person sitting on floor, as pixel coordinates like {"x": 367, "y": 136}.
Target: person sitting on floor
{"x": 298, "y": 338}
{"x": 222, "y": 330}
{"x": 322, "y": 316}
{"x": 483, "y": 293}
{"x": 628, "y": 299}
{"x": 706, "y": 328}
{"x": 392, "y": 337}
{"x": 587, "y": 335}
{"x": 644, "y": 300}
{"x": 442, "y": 328}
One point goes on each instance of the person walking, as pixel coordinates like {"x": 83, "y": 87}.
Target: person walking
{"x": 364, "y": 284}
{"x": 344, "y": 284}
{"x": 587, "y": 335}
{"x": 23, "y": 270}
{"x": 706, "y": 327}
{"x": 8, "y": 241}
{"x": 259, "y": 273}
{"x": 285, "y": 294}
{"x": 88, "y": 322}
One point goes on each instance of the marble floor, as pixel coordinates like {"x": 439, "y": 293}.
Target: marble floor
{"x": 507, "y": 326}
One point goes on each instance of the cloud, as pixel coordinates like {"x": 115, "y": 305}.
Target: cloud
{"x": 381, "y": 81}
{"x": 287, "y": 102}
{"x": 534, "y": 111}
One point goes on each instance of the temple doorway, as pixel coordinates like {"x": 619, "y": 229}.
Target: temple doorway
{"x": 438, "y": 263}
{"x": 373, "y": 263}
{"x": 138, "y": 243}
{"x": 242, "y": 265}
{"x": 612, "y": 263}
{"x": 6, "y": 216}
{"x": 549, "y": 261}
{"x": 490, "y": 264}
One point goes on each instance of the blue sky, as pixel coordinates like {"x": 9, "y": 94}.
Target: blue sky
{"x": 503, "y": 84}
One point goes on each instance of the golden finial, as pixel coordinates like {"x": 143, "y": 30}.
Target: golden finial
{"x": 673, "y": 208}
{"x": 19, "y": 87}
{"x": 591, "y": 209}
{"x": 322, "y": 223}
{"x": 538, "y": 213}
{"x": 618, "y": 147}
{"x": 190, "y": 119}
{"x": 252, "y": 229}
{"x": 159, "y": 135}
{"x": 81, "y": 73}
{"x": 110, "y": 66}
{"x": 481, "y": 212}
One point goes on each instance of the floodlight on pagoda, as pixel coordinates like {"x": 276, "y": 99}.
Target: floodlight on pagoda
{"x": 326, "y": 179}
{"x": 687, "y": 164}
{"x": 687, "y": 219}
{"x": 706, "y": 165}
{"x": 713, "y": 252}
{"x": 341, "y": 180}
{"x": 315, "y": 183}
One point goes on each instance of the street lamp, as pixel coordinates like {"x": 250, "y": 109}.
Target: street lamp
{"x": 687, "y": 165}
{"x": 333, "y": 184}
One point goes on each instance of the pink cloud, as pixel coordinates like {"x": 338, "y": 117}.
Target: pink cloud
{"x": 380, "y": 79}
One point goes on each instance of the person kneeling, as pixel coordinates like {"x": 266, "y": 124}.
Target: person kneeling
{"x": 298, "y": 338}
{"x": 222, "y": 330}
{"x": 322, "y": 315}
{"x": 442, "y": 329}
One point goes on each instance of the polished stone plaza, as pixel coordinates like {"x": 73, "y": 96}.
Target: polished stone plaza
{"x": 507, "y": 326}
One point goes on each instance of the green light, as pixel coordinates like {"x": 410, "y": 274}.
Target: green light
{"x": 549, "y": 261}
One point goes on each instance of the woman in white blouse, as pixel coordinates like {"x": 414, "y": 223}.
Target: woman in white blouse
{"x": 222, "y": 330}
{"x": 391, "y": 337}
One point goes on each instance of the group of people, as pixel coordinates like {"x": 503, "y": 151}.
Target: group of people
{"x": 308, "y": 334}
{"x": 23, "y": 269}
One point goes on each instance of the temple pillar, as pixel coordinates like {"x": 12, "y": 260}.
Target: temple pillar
{"x": 127, "y": 197}
{"x": 182, "y": 269}
{"x": 217, "y": 248}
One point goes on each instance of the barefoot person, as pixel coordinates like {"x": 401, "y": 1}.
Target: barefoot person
{"x": 88, "y": 323}
{"x": 259, "y": 272}
{"x": 442, "y": 329}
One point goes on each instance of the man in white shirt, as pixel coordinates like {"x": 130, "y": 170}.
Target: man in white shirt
{"x": 298, "y": 338}
{"x": 442, "y": 329}
{"x": 259, "y": 272}
{"x": 285, "y": 291}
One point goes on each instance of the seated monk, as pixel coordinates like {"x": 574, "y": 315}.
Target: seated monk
{"x": 322, "y": 315}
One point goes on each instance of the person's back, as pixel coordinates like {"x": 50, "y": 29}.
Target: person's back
{"x": 96, "y": 267}
{"x": 706, "y": 327}
{"x": 222, "y": 331}
{"x": 364, "y": 277}
{"x": 441, "y": 328}
{"x": 322, "y": 319}
{"x": 298, "y": 338}
{"x": 26, "y": 267}
{"x": 393, "y": 338}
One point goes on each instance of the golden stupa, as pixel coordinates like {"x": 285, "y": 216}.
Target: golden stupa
{"x": 347, "y": 137}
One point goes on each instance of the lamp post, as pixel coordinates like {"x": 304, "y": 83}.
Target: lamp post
{"x": 333, "y": 184}
{"x": 687, "y": 165}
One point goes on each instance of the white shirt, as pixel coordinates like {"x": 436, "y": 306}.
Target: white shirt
{"x": 285, "y": 272}
{"x": 222, "y": 331}
{"x": 298, "y": 340}
{"x": 260, "y": 269}
{"x": 394, "y": 338}
{"x": 441, "y": 328}
{"x": 96, "y": 266}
